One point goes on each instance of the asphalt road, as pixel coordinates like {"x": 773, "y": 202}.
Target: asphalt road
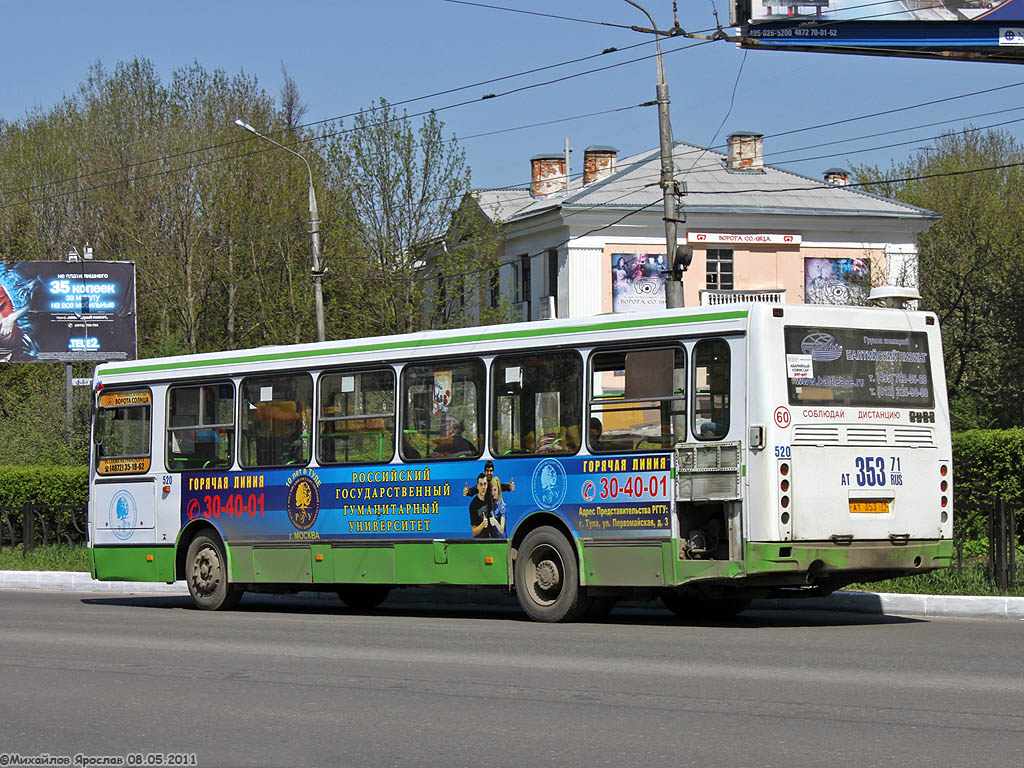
{"x": 294, "y": 683}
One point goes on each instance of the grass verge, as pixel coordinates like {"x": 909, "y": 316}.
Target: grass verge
{"x": 54, "y": 557}
{"x": 971, "y": 580}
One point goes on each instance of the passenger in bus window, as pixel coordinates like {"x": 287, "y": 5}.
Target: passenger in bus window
{"x": 709, "y": 431}
{"x": 453, "y": 443}
{"x": 595, "y": 433}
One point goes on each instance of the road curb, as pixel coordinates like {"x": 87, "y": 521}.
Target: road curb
{"x": 878, "y": 603}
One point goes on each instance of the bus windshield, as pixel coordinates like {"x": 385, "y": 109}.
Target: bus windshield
{"x": 858, "y": 368}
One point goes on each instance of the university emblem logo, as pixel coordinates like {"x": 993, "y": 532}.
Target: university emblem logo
{"x": 548, "y": 484}
{"x": 303, "y": 502}
{"x": 123, "y": 515}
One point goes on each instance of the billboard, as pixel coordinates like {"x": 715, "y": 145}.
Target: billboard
{"x": 983, "y": 30}
{"x": 836, "y": 281}
{"x": 57, "y": 311}
{"x": 638, "y": 281}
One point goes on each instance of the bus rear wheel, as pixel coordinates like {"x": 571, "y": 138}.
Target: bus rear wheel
{"x": 206, "y": 572}
{"x": 363, "y": 597}
{"x": 547, "y": 577}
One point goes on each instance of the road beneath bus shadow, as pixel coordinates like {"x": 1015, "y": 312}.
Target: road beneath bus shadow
{"x": 306, "y": 682}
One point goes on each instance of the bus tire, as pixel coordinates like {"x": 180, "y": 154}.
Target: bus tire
{"x": 206, "y": 571}
{"x": 363, "y": 597}
{"x": 547, "y": 577}
{"x": 697, "y": 609}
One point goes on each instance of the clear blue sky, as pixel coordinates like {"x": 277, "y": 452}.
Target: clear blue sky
{"x": 346, "y": 54}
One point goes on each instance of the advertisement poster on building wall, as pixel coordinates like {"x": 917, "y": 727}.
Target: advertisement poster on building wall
{"x": 836, "y": 281}
{"x": 57, "y": 311}
{"x": 638, "y": 281}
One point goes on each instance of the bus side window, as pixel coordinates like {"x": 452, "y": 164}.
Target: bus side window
{"x": 637, "y": 400}
{"x": 711, "y": 381}
{"x": 357, "y": 417}
{"x": 201, "y": 426}
{"x": 443, "y": 415}
{"x": 276, "y": 421}
{"x": 536, "y": 403}
{"x": 122, "y": 433}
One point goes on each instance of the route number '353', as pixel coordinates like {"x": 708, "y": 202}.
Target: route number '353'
{"x": 871, "y": 471}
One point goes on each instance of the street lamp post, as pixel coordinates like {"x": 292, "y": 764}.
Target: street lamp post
{"x": 314, "y": 230}
{"x": 673, "y": 286}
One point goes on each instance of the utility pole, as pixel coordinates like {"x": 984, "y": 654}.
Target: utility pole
{"x": 678, "y": 261}
{"x": 314, "y": 231}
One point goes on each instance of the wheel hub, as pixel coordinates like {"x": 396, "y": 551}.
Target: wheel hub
{"x": 548, "y": 576}
{"x": 207, "y": 571}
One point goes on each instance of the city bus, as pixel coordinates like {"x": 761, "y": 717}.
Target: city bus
{"x": 704, "y": 456}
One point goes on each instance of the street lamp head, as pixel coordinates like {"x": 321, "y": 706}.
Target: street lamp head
{"x": 245, "y": 125}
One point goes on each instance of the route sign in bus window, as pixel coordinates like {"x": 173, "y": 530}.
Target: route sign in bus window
{"x": 652, "y": 421}
{"x": 122, "y": 434}
{"x": 357, "y": 417}
{"x": 537, "y": 403}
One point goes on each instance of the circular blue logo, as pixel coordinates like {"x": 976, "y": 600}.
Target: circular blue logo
{"x": 549, "y": 484}
{"x": 123, "y": 515}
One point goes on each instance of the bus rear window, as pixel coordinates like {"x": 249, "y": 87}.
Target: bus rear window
{"x": 858, "y": 368}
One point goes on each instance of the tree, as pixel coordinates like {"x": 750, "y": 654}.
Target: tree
{"x": 970, "y": 266}
{"x": 405, "y": 185}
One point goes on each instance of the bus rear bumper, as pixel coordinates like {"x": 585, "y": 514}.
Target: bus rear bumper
{"x": 812, "y": 568}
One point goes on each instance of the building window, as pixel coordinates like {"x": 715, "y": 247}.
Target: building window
{"x": 495, "y": 288}
{"x": 720, "y": 269}
{"x": 553, "y": 272}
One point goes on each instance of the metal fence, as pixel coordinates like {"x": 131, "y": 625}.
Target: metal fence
{"x": 1002, "y": 544}
{"x": 35, "y": 525}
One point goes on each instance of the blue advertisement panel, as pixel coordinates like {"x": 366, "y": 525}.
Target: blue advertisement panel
{"x": 67, "y": 311}
{"x": 992, "y": 28}
{"x": 614, "y": 497}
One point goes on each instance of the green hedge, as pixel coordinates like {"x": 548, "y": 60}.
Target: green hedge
{"x": 43, "y": 485}
{"x": 988, "y": 465}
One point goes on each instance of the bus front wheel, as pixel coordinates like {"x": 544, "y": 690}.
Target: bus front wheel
{"x": 207, "y": 575}
{"x": 547, "y": 577}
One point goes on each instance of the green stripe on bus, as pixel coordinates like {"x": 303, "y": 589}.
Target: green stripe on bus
{"x": 540, "y": 331}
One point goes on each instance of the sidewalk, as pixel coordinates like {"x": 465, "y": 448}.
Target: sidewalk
{"x": 885, "y": 604}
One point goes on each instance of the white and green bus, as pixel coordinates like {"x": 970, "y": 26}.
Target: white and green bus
{"x": 705, "y": 456}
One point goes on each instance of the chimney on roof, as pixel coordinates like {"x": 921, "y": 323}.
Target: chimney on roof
{"x": 598, "y": 163}
{"x": 838, "y": 176}
{"x": 547, "y": 174}
{"x": 746, "y": 151}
